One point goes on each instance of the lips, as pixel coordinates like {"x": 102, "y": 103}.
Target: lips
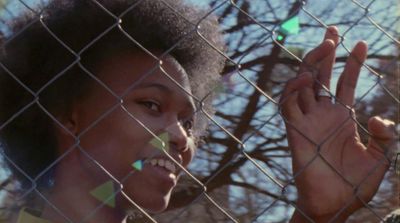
{"x": 161, "y": 170}
{"x": 164, "y": 163}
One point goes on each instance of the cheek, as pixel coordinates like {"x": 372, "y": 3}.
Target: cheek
{"x": 116, "y": 142}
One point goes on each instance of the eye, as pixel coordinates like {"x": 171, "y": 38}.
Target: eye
{"x": 154, "y": 106}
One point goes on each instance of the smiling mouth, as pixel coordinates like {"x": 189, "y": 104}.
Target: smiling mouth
{"x": 163, "y": 163}
{"x": 164, "y": 170}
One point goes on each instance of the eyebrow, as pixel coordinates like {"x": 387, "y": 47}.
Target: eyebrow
{"x": 166, "y": 90}
{"x": 160, "y": 87}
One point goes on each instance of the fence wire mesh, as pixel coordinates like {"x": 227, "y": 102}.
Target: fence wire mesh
{"x": 242, "y": 171}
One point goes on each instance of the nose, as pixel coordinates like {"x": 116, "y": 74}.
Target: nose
{"x": 178, "y": 138}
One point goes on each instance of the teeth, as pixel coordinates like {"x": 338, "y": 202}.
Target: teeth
{"x": 168, "y": 165}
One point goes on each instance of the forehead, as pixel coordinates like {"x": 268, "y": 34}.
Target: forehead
{"x": 126, "y": 70}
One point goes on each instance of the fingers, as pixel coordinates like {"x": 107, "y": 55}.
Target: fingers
{"x": 348, "y": 79}
{"x": 307, "y": 100}
{"x": 382, "y": 134}
{"x": 311, "y": 60}
{"x": 321, "y": 60}
{"x": 325, "y": 72}
{"x": 297, "y": 97}
{"x": 290, "y": 108}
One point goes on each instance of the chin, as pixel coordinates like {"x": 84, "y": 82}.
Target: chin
{"x": 151, "y": 203}
{"x": 157, "y": 205}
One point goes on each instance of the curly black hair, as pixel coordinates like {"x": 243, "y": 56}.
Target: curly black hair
{"x": 44, "y": 51}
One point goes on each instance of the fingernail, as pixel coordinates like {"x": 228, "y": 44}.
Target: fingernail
{"x": 388, "y": 122}
{"x": 363, "y": 42}
{"x": 333, "y": 29}
{"x": 331, "y": 41}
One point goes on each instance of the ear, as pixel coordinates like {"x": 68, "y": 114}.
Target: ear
{"x": 71, "y": 123}
{"x": 68, "y": 123}
{"x": 66, "y": 130}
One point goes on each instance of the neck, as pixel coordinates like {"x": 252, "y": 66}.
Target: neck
{"x": 71, "y": 195}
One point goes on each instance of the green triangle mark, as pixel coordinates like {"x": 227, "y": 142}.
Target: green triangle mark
{"x": 290, "y": 26}
{"x": 138, "y": 165}
{"x": 25, "y": 217}
{"x": 158, "y": 144}
{"x": 105, "y": 193}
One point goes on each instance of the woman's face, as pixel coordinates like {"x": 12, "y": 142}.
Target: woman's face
{"x": 118, "y": 140}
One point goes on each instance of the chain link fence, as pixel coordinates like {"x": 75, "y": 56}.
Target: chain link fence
{"x": 242, "y": 171}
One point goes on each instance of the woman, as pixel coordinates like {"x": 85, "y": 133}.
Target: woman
{"x": 79, "y": 143}
{"x": 96, "y": 105}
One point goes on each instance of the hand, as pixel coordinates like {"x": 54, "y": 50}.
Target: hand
{"x": 329, "y": 159}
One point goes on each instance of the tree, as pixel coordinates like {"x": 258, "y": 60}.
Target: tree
{"x": 252, "y": 116}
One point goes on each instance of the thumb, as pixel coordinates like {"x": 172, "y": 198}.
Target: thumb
{"x": 383, "y": 135}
